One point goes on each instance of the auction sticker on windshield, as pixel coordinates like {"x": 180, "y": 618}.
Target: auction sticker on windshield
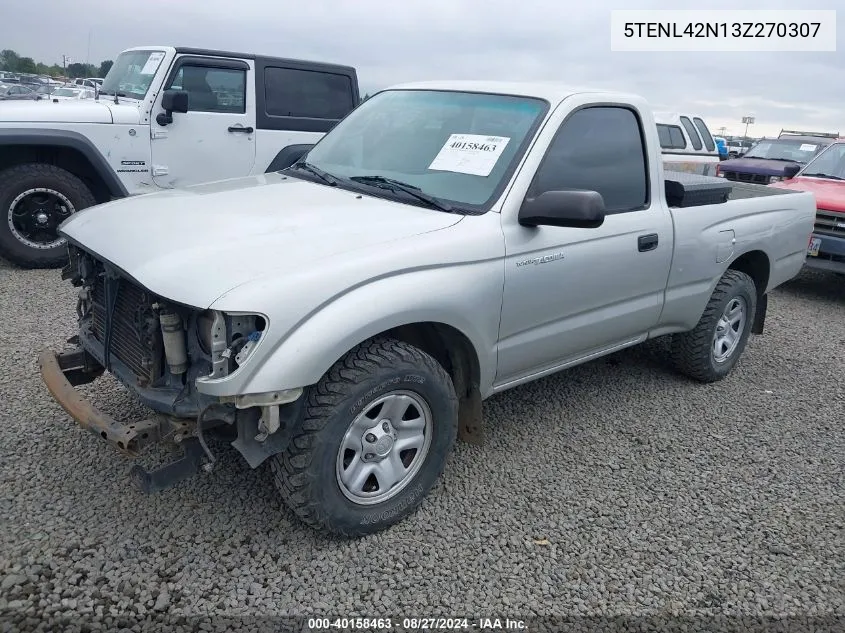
{"x": 807, "y": 147}
{"x": 474, "y": 154}
{"x": 152, "y": 63}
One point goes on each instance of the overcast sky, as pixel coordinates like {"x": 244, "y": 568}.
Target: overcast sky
{"x": 392, "y": 42}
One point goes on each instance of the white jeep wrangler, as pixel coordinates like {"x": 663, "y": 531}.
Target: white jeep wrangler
{"x": 165, "y": 117}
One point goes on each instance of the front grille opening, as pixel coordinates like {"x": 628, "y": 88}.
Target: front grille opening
{"x": 830, "y": 222}
{"x": 752, "y": 178}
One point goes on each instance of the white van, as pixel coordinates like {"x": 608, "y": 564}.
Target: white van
{"x": 686, "y": 143}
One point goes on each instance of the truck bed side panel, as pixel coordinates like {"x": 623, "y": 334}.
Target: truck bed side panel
{"x": 708, "y": 239}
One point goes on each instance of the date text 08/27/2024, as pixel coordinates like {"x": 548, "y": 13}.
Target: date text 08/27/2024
{"x": 416, "y": 624}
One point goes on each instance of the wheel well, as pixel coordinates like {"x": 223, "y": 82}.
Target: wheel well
{"x": 454, "y": 351}
{"x": 756, "y": 265}
{"x": 67, "y": 158}
{"x": 448, "y": 346}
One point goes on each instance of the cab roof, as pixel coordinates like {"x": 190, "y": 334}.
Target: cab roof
{"x": 553, "y": 92}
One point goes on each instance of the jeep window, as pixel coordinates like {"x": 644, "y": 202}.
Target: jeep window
{"x": 598, "y": 149}
{"x": 705, "y": 134}
{"x": 671, "y": 136}
{"x": 795, "y": 150}
{"x": 132, "y": 73}
{"x": 398, "y": 134}
{"x": 693, "y": 135}
{"x": 211, "y": 89}
{"x": 307, "y": 93}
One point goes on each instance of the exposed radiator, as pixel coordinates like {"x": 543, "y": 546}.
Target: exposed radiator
{"x": 135, "y": 337}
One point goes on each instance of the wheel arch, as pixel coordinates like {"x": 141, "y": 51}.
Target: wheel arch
{"x": 308, "y": 354}
{"x": 66, "y": 149}
{"x": 757, "y": 265}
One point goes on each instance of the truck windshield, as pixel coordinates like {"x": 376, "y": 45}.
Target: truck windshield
{"x": 829, "y": 164}
{"x": 457, "y": 147}
{"x": 132, "y": 73}
{"x": 785, "y": 149}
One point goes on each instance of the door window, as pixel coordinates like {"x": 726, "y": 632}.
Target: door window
{"x": 598, "y": 149}
{"x": 212, "y": 89}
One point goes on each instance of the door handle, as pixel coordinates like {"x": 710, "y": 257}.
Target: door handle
{"x": 243, "y": 130}
{"x": 647, "y": 242}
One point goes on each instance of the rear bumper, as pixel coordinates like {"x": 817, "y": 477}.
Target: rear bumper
{"x": 831, "y": 254}
{"x": 57, "y": 372}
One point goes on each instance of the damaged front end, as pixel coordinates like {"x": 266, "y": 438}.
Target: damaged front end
{"x": 158, "y": 349}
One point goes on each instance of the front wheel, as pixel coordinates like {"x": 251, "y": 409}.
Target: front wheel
{"x": 377, "y": 430}
{"x": 709, "y": 351}
{"x": 35, "y": 199}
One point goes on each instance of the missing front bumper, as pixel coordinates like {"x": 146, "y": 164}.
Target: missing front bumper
{"x": 60, "y": 372}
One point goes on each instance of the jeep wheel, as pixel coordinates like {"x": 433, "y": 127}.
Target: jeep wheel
{"x": 709, "y": 351}
{"x": 375, "y": 437}
{"x": 34, "y": 200}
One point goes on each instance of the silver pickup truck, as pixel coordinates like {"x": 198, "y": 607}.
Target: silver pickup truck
{"x": 343, "y": 319}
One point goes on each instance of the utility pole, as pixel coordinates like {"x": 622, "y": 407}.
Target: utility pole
{"x": 722, "y": 130}
{"x": 65, "y": 60}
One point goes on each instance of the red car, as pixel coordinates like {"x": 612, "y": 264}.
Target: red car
{"x": 824, "y": 176}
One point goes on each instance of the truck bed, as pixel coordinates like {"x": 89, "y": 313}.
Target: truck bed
{"x": 693, "y": 190}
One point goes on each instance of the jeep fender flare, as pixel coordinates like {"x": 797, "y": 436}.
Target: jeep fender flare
{"x": 321, "y": 338}
{"x": 69, "y": 139}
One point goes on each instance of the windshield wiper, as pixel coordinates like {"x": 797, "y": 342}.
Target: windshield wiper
{"x": 397, "y": 185}
{"x": 113, "y": 93}
{"x": 325, "y": 176}
{"x": 821, "y": 175}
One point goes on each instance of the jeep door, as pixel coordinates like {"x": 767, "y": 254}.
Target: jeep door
{"x": 215, "y": 138}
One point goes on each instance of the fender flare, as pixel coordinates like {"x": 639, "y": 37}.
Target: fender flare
{"x": 72, "y": 140}
{"x": 287, "y": 156}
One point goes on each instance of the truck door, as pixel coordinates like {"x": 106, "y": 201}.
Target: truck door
{"x": 573, "y": 292}
{"x": 215, "y": 139}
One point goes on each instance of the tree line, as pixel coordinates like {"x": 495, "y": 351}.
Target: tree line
{"x": 11, "y": 61}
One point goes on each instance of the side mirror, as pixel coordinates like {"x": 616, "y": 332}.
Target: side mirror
{"x": 172, "y": 101}
{"x": 790, "y": 171}
{"x": 579, "y": 209}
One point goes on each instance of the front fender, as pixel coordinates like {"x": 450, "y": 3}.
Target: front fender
{"x": 45, "y": 137}
{"x": 467, "y": 298}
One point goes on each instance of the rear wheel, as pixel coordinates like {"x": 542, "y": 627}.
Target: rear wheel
{"x": 709, "y": 351}
{"x": 377, "y": 431}
{"x": 35, "y": 199}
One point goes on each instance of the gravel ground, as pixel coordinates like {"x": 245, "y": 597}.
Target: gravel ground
{"x": 616, "y": 488}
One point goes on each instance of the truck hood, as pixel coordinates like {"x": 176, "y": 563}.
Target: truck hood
{"x": 195, "y": 244}
{"x": 759, "y": 166}
{"x": 68, "y": 111}
{"x": 830, "y": 194}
